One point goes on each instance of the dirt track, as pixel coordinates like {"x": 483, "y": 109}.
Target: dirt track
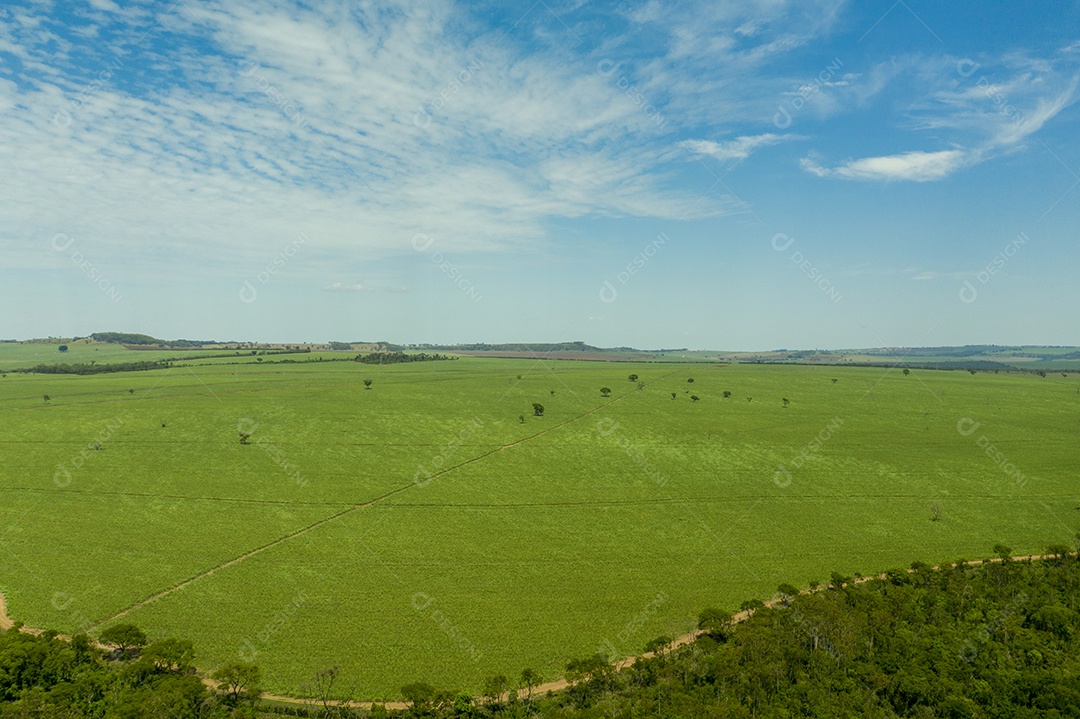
{"x": 5, "y": 621}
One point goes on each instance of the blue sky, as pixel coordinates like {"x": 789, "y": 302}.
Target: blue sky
{"x": 723, "y": 175}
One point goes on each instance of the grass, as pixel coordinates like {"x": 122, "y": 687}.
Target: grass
{"x": 598, "y": 526}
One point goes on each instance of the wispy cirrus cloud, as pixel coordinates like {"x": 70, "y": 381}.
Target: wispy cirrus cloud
{"x": 214, "y": 130}
{"x": 738, "y": 148}
{"x": 990, "y": 107}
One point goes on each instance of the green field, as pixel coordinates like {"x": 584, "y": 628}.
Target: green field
{"x": 420, "y": 531}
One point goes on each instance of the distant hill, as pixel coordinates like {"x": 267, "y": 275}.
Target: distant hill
{"x": 126, "y": 338}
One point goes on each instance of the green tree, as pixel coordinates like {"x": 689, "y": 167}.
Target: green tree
{"x": 751, "y": 605}
{"x": 419, "y": 695}
{"x": 170, "y": 655}
{"x": 538, "y": 409}
{"x": 495, "y": 687}
{"x": 658, "y": 645}
{"x": 787, "y": 592}
{"x": 126, "y": 638}
{"x": 714, "y": 622}
{"x": 238, "y": 682}
{"x": 367, "y": 384}
{"x": 595, "y": 670}
{"x": 63, "y": 348}
{"x": 632, "y": 378}
{"x": 323, "y": 686}
{"x": 1059, "y": 551}
{"x": 605, "y": 391}
{"x": 530, "y": 679}
{"x": 463, "y": 705}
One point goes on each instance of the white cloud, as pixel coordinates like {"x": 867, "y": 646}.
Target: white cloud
{"x": 345, "y": 287}
{"x": 914, "y": 166}
{"x": 737, "y": 149}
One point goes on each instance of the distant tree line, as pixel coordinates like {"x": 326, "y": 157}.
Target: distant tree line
{"x": 83, "y": 368}
{"x": 398, "y": 357}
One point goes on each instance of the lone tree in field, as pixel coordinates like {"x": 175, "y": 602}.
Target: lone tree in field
{"x": 632, "y": 378}
{"x": 63, "y": 348}
{"x": 245, "y": 437}
{"x": 694, "y": 397}
{"x": 691, "y": 380}
{"x": 367, "y": 384}
{"x": 538, "y": 409}
{"x": 906, "y": 371}
{"x": 673, "y": 395}
{"x": 238, "y": 682}
{"x": 786, "y": 401}
{"x": 46, "y": 399}
{"x": 726, "y": 394}
{"x": 126, "y": 638}
{"x": 605, "y": 391}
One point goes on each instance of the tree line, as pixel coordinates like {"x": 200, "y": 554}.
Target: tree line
{"x": 398, "y": 357}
